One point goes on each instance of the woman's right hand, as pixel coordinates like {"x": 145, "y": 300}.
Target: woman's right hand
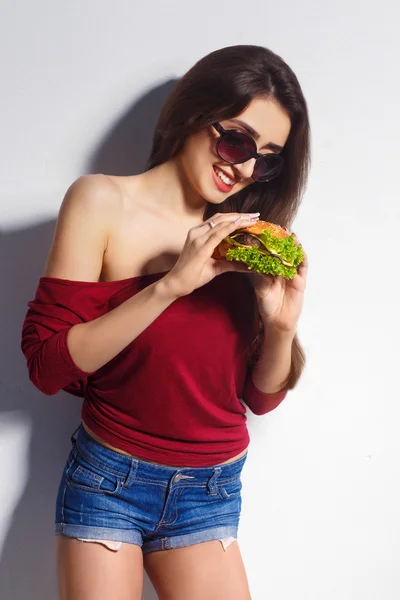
{"x": 195, "y": 267}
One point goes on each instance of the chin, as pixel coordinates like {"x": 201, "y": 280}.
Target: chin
{"x": 205, "y": 185}
{"x": 215, "y": 196}
{"x": 216, "y": 199}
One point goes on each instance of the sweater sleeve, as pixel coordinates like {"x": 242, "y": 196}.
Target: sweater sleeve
{"x": 56, "y": 308}
{"x": 259, "y": 402}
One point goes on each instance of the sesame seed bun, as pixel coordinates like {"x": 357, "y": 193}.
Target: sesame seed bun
{"x": 222, "y": 249}
{"x": 259, "y": 227}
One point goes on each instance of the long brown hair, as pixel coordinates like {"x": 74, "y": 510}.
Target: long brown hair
{"x": 218, "y": 87}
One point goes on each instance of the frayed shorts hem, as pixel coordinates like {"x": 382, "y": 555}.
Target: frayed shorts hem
{"x": 190, "y": 539}
{"x": 99, "y": 533}
{"x": 134, "y": 537}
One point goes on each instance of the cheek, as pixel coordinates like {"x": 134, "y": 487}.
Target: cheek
{"x": 199, "y": 154}
{"x": 212, "y": 148}
{"x": 202, "y": 145}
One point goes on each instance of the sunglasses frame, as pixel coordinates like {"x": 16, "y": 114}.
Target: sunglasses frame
{"x": 257, "y": 155}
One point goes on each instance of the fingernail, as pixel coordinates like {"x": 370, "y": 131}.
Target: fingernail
{"x": 238, "y": 219}
{"x": 254, "y": 214}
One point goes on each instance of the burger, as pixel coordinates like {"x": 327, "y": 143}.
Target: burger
{"x": 264, "y": 248}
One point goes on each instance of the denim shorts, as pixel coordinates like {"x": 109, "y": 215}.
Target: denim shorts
{"x": 105, "y": 495}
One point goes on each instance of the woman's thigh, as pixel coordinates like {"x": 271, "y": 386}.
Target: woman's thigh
{"x": 197, "y": 572}
{"x": 90, "y": 571}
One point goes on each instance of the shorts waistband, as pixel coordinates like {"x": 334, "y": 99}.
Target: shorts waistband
{"x": 121, "y": 465}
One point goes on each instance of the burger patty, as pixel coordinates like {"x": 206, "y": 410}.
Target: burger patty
{"x": 248, "y": 240}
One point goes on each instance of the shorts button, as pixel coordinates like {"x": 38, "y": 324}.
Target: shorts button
{"x": 177, "y": 478}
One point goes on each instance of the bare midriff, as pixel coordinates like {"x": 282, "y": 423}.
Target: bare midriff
{"x": 107, "y": 445}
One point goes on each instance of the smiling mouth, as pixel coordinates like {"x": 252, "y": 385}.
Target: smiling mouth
{"x": 224, "y": 177}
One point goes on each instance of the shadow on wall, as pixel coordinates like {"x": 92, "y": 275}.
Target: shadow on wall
{"x": 27, "y": 564}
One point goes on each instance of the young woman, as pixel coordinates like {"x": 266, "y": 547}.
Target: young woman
{"x": 167, "y": 345}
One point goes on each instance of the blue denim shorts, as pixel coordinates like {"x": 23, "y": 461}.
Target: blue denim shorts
{"x": 105, "y": 495}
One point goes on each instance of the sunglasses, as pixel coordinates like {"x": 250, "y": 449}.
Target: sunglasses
{"x": 236, "y": 147}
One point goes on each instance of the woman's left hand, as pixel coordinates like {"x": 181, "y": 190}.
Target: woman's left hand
{"x": 280, "y": 300}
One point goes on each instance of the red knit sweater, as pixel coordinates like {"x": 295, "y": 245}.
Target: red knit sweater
{"x": 171, "y": 396}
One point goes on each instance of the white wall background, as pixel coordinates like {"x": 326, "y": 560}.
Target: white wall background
{"x": 321, "y": 502}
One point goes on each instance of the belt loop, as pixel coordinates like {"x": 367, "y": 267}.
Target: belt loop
{"x": 131, "y": 476}
{"x": 74, "y": 435}
{"x": 212, "y": 482}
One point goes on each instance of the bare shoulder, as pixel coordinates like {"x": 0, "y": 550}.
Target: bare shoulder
{"x": 92, "y": 193}
{"x": 89, "y": 208}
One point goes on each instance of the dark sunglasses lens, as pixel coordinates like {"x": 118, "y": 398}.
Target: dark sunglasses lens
{"x": 268, "y": 167}
{"x": 235, "y": 147}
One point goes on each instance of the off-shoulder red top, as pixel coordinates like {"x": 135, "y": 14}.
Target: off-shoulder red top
{"x": 174, "y": 394}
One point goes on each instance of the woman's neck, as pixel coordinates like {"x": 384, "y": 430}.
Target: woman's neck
{"x": 171, "y": 189}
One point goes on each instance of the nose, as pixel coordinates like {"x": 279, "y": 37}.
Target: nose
{"x": 246, "y": 169}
